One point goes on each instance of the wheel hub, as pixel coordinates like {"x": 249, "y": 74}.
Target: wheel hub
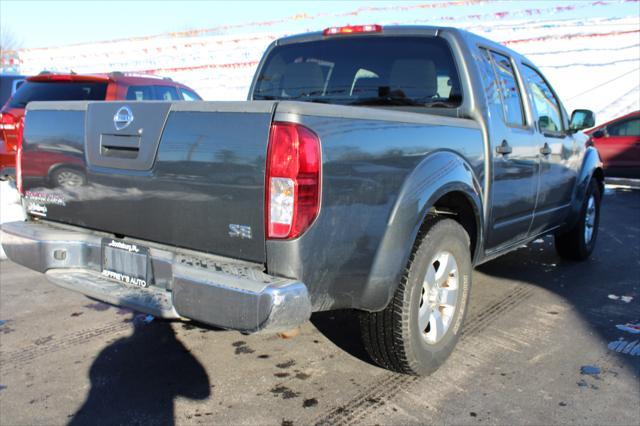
{"x": 590, "y": 219}
{"x": 439, "y": 297}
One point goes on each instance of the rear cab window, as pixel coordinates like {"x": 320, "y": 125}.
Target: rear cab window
{"x": 58, "y": 91}
{"x": 363, "y": 70}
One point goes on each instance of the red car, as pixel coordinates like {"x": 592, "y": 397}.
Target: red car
{"x": 74, "y": 87}
{"x": 618, "y": 143}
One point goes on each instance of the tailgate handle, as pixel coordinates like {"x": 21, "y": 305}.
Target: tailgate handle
{"x": 120, "y": 146}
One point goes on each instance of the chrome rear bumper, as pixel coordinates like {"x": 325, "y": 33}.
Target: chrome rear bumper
{"x": 214, "y": 290}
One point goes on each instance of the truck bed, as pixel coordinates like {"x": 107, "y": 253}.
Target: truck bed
{"x": 183, "y": 174}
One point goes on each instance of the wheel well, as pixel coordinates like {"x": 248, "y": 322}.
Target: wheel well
{"x": 598, "y": 175}
{"x": 458, "y": 207}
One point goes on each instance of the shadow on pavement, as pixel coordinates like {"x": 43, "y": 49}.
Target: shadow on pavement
{"x": 614, "y": 268}
{"x": 135, "y": 380}
{"x": 343, "y": 330}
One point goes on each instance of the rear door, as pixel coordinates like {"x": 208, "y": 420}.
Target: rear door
{"x": 514, "y": 154}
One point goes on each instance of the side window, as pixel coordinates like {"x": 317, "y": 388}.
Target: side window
{"x": 509, "y": 91}
{"x": 139, "y": 93}
{"x": 166, "y": 93}
{"x": 544, "y": 102}
{"x": 500, "y": 87}
{"x": 188, "y": 95}
{"x": 490, "y": 82}
{"x": 625, "y": 128}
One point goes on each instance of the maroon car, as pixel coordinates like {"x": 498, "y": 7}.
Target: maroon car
{"x": 74, "y": 87}
{"x": 618, "y": 143}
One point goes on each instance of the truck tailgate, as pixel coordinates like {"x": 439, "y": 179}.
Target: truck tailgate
{"x": 185, "y": 174}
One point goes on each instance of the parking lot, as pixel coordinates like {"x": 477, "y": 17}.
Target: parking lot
{"x": 535, "y": 328}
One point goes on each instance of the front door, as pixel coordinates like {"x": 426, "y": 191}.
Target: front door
{"x": 559, "y": 153}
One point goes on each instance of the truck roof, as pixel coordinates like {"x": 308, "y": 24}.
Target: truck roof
{"x": 401, "y": 30}
{"x": 117, "y": 76}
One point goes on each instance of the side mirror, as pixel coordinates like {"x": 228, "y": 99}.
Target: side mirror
{"x": 582, "y": 119}
{"x": 598, "y": 134}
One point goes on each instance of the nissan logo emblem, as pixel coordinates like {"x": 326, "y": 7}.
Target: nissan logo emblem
{"x": 122, "y": 118}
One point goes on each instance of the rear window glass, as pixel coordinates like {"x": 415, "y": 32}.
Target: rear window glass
{"x": 58, "y": 91}
{"x": 152, "y": 93}
{"x": 8, "y": 85}
{"x": 415, "y": 71}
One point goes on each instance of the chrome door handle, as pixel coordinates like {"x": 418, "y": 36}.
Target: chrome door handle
{"x": 545, "y": 150}
{"x": 504, "y": 148}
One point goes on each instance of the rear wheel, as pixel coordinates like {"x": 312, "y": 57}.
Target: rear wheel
{"x": 578, "y": 242}
{"x": 419, "y": 328}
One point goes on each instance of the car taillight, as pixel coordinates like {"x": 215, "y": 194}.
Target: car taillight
{"x": 293, "y": 180}
{"x": 11, "y": 127}
{"x": 352, "y": 29}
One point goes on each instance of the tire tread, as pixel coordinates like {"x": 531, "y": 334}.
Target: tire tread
{"x": 384, "y": 333}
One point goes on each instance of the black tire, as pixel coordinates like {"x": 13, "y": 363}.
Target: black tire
{"x": 392, "y": 337}
{"x": 572, "y": 244}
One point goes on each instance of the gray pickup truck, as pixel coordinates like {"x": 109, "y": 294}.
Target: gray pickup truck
{"x": 371, "y": 169}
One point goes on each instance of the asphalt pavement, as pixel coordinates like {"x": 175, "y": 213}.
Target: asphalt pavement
{"x": 546, "y": 342}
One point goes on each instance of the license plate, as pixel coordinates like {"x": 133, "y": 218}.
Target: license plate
{"x": 125, "y": 262}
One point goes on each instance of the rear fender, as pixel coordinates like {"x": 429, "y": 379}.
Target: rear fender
{"x": 440, "y": 173}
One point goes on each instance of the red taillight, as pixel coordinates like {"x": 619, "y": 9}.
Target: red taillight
{"x": 293, "y": 180}
{"x": 11, "y": 127}
{"x": 351, "y": 29}
{"x": 7, "y": 124}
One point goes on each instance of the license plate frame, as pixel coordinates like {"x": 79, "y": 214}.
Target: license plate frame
{"x": 126, "y": 262}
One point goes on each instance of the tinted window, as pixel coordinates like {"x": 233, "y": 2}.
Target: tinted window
{"x": 490, "y": 83}
{"x": 140, "y": 93}
{"x": 167, "y": 93}
{"x": 188, "y": 95}
{"x": 625, "y": 128}
{"x": 7, "y": 84}
{"x": 5, "y": 89}
{"x": 58, "y": 91}
{"x": 544, "y": 102}
{"x": 363, "y": 70}
{"x": 508, "y": 89}
{"x": 152, "y": 93}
